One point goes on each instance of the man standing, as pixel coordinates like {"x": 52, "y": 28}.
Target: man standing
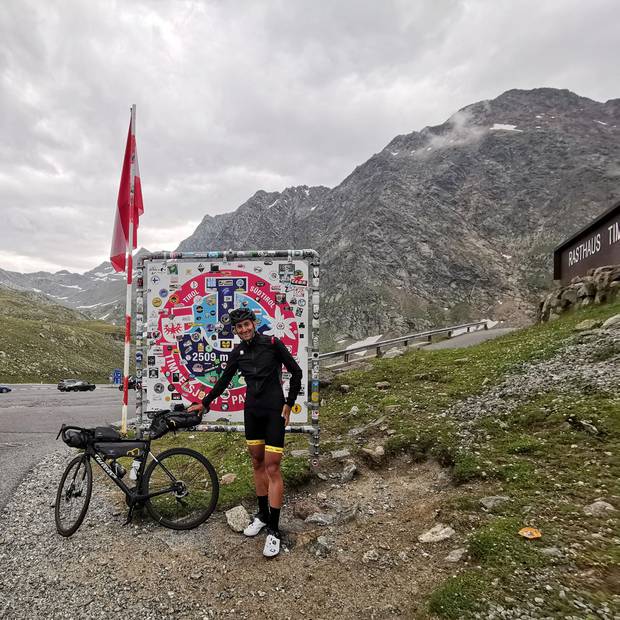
{"x": 259, "y": 359}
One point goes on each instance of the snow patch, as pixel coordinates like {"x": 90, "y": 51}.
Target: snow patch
{"x": 273, "y": 203}
{"x": 307, "y": 191}
{"x": 101, "y": 303}
{"x": 313, "y": 208}
{"x": 502, "y": 127}
{"x": 507, "y": 256}
{"x": 601, "y": 123}
{"x": 394, "y": 152}
{"x": 71, "y": 286}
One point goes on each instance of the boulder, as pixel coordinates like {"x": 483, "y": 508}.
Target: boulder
{"x": 382, "y": 385}
{"x": 228, "y": 478}
{"x": 436, "y": 534}
{"x": 303, "y": 508}
{"x": 349, "y": 471}
{"x": 237, "y": 518}
{"x": 612, "y": 321}
{"x": 598, "y": 508}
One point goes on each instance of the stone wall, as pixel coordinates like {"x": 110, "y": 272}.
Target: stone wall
{"x": 598, "y": 286}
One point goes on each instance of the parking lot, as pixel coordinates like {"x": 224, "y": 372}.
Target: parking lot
{"x": 31, "y": 415}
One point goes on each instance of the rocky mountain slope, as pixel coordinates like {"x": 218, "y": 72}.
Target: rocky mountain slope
{"x": 445, "y": 224}
{"x": 452, "y": 221}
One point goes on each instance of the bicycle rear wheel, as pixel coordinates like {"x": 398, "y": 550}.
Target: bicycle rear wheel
{"x": 73, "y": 496}
{"x": 186, "y": 485}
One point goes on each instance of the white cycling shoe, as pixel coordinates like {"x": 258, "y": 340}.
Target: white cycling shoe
{"x": 255, "y": 527}
{"x": 272, "y": 545}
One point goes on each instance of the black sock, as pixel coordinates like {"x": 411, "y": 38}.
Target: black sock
{"x": 263, "y": 508}
{"x": 274, "y": 519}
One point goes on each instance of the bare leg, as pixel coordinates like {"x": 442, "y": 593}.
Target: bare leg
{"x": 276, "y": 484}
{"x": 261, "y": 481}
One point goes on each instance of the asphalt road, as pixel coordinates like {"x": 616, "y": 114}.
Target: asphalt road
{"x": 30, "y": 417}
{"x": 469, "y": 339}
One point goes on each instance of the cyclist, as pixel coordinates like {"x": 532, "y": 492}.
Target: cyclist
{"x": 259, "y": 358}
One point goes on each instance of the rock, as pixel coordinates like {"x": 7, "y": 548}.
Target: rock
{"x": 303, "y": 508}
{"x": 354, "y": 410}
{"x": 228, "y": 478}
{"x": 340, "y": 455}
{"x": 346, "y": 514}
{"x": 587, "y": 324}
{"x": 299, "y": 453}
{"x": 392, "y": 353}
{"x": 375, "y": 454}
{"x": 551, "y": 552}
{"x": 612, "y": 321}
{"x": 493, "y": 501}
{"x": 539, "y": 600}
{"x": 356, "y": 431}
{"x": 436, "y": 534}
{"x": 391, "y": 409}
{"x": 372, "y": 555}
{"x": 345, "y": 389}
{"x": 237, "y": 518}
{"x": 598, "y": 509}
{"x": 322, "y": 546}
{"x": 320, "y": 518}
{"x": 457, "y": 555}
{"x": 382, "y": 385}
{"x": 350, "y": 469}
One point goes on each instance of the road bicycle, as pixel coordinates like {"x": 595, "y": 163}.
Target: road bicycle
{"x": 178, "y": 487}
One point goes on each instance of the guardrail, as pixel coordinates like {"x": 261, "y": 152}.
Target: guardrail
{"x": 346, "y": 353}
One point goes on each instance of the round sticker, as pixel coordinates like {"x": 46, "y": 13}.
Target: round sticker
{"x": 296, "y": 408}
{"x": 159, "y": 388}
{"x": 157, "y": 301}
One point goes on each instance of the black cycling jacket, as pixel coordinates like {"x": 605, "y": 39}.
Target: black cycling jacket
{"x": 260, "y": 363}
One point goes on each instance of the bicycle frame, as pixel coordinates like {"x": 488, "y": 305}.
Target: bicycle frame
{"x": 134, "y": 495}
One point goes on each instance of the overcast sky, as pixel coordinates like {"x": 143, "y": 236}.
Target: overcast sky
{"x": 233, "y": 97}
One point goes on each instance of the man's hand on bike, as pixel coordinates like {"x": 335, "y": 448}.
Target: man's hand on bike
{"x": 197, "y": 408}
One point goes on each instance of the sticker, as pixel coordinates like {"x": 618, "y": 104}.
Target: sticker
{"x": 159, "y": 388}
{"x": 156, "y": 302}
{"x": 296, "y": 408}
{"x": 163, "y": 293}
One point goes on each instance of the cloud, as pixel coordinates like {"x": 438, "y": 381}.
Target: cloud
{"x": 236, "y": 97}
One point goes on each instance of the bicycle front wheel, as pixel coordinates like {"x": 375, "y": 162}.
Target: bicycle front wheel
{"x": 183, "y": 488}
{"x": 73, "y": 496}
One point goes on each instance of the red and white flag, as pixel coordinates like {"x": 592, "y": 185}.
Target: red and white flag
{"x": 120, "y": 238}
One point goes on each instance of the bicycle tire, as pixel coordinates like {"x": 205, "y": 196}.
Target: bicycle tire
{"x": 201, "y": 486}
{"x": 64, "y": 496}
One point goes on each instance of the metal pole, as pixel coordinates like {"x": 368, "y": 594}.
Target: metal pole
{"x": 129, "y": 266}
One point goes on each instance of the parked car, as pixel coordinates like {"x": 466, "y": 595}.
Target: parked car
{"x": 4, "y": 389}
{"x": 131, "y": 383}
{"x": 75, "y": 385}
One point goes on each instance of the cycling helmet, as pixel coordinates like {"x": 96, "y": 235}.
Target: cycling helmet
{"x": 241, "y": 314}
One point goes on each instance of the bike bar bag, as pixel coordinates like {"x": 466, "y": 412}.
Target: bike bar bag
{"x": 116, "y": 449}
{"x": 74, "y": 438}
{"x": 106, "y": 433}
{"x": 183, "y": 420}
{"x": 163, "y": 423}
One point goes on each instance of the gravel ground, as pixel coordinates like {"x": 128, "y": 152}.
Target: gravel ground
{"x": 145, "y": 570}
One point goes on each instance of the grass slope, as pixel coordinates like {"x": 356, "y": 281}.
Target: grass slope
{"x": 45, "y": 342}
{"x": 549, "y": 468}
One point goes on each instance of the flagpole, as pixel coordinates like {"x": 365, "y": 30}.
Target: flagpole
{"x": 129, "y": 265}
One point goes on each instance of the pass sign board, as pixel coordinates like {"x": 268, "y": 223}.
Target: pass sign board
{"x": 183, "y": 309}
